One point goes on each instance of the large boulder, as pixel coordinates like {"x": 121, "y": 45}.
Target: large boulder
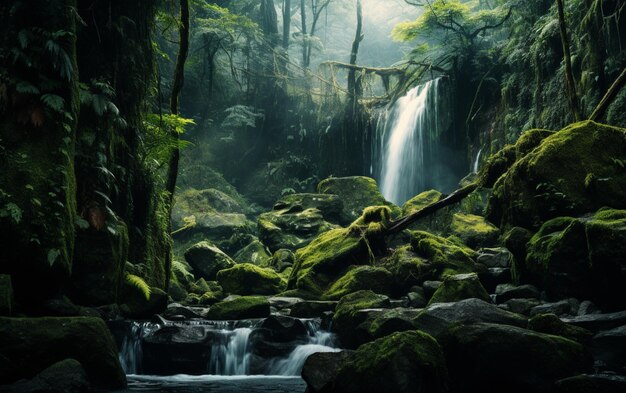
{"x": 66, "y": 376}
{"x": 447, "y": 255}
{"x": 347, "y": 317}
{"x": 582, "y": 258}
{"x": 473, "y": 230}
{"x": 32, "y": 344}
{"x": 321, "y": 368}
{"x": 330, "y": 206}
{"x": 439, "y": 317}
{"x": 405, "y": 362}
{"x": 356, "y": 193}
{"x": 244, "y": 307}
{"x": 249, "y": 279}
{"x": 459, "y": 287}
{"x": 491, "y": 358}
{"x": 407, "y": 268}
{"x": 563, "y": 176}
{"x": 292, "y": 227}
{"x": 375, "y": 278}
{"x": 207, "y": 259}
{"x": 255, "y": 252}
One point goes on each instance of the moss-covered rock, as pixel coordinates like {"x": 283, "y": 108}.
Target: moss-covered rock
{"x": 460, "y": 287}
{"x": 473, "y": 230}
{"x": 291, "y": 228}
{"x": 330, "y": 206}
{"x": 327, "y": 258}
{"x": 563, "y": 176}
{"x": 255, "y": 253}
{"x": 420, "y": 201}
{"x": 6, "y": 295}
{"x": 405, "y": 362}
{"x": 192, "y": 201}
{"x": 141, "y": 302}
{"x": 529, "y": 140}
{"x": 448, "y": 256}
{"x": 244, "y": 307}
{"x": 32, "y": 344}
{"x": 66, "y": 376}
{"x": 99, "y": 260}
{"x": 206, "y": 260}
{"x": 377, "y": 279}
{"x": 515, "y": 241}
{"x": 249, "y": 279}
{"x": 487, "y": 357}
{"x": 356, "y": 193}
{"x": 496, "y": 166}
{"x": 551, "y": 324}
{"x": 346, "y": 317}
{"x": 407, "y": 269}
{"x": 281, "y": 260}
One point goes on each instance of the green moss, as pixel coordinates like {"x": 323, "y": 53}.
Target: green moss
{"x": 327, "y": 258}
{"x": 244, "y": 307}
{"x": 210, "y": 297}
{"x": 529, "y": 140}
{"x": 421, "y": 201}
{"x": 376, "y": 279}
{"x": 32, "y": 344}
{"x": 460, "y": 287}
{"x": 446, "y": 255}
{"x": 249, "y": 279}
{"x": 353, "y": 302}
{"x": 207, "y": 259}
{"x": 139, "y": 284}
{"x": 408, "y": 268}
{"x": 291, "y": 228}
{"x": 496, "y": 166}
{"x": 474, "y": 230}
{"x": 356, "y": 193}
{"x": 551, "y": 324}
{"x": 550, "y": 180}
{"x": 255, "y": 253}
{"x": 391, "y": 364}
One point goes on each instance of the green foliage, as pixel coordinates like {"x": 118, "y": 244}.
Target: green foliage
{"x": 241, "y": 116}
{"x": 98, "y": 97}
{"x": 140, "y": 284}
{"x": 13, "y": 211}
{"x": 159, "y": 143}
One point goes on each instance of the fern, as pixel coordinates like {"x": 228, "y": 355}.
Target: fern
{"x": 140, "y": 284}
{"x": 54, "y": 102}
{"x": 241, "y": 116}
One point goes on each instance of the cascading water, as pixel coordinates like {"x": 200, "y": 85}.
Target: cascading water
{"x": 476, "y": 165}
{"x": 406, "y": 154}
{"x": 228, "y": 347}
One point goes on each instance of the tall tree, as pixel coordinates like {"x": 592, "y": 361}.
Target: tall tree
{"x": 353, "y": 88}
{"x": 286, "y": 22}
{"x": 179, "y": 80}
{"x": 569, "y": 76}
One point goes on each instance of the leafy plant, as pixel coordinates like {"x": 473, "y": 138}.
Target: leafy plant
{"x": 159, "y": 142}
{"x": 241, "y": 116}
{"x": 140, "y": 284}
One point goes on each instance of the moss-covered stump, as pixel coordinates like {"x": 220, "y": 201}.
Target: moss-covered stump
{"x": 405, "y": 362}
{"x": 6, "y": 295}
{"x": 327, "y": 258}
{"x": 377, "y": 279}
{"x": 99, "y": 260}
{"x": 255, "y": 253}
{"x": 249, "y": 279}
{"x": 551, "y": 324}
{"x": 330, "y": 206}
{"x": 407, "y": 269}
{"x": 244, "y": 307}
{"x": 448, "y": 256}
{"x": 32, "y": 344}
{"x": 473, "y": 230}
{"x": 207, "y": 259}
{"x": 356, "y": 193}
{"x": 291, "y": 227}
{"x": 563, "y": 176}
{"x": 460, "y": 287}
{"x": 347, "y": 318}
{"x": 582, "y": 258}
{"x": 492, "y": 358}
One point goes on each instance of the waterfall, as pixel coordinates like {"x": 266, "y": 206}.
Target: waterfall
{"x": 230, "y": 354}
{"x": 405, "y": 153}
{"x": 228, "y": 346}
{"x": 477, "y": 161}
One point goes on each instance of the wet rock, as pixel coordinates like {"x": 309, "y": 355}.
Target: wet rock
{"x": 430, "y": 287}
{"x": 437, "y": 318}
{"x": 321, "y": 368}
{"x": 495, "y": 257}
{"x": 281, "y": 260}
{"x": 597, "y": 322}
{"x": 249, "y": 279}
{"x": 560, "y": 308}
{"x": 281, "y": 303}
{"x": 520, "y": 306}
{"x": 506, "y": 292}
{"x": 417, "y": 298}
{"x": 378, "y": 323}
{"x": 207, "y": 259}
{"x": 551, "y": 324}
{"x": 587, "y": 307}
{"x": 591, "y": 383}
{"x": 609, "y": 348}
{"x": 347, "y": 318}
{"x": 312, "y": 308}
{"x": 66, "y": 376}
{"x": 493, "y": 277}
{"x": 255, "y": 253}
{"x": 487, "y": 357}
{"x": 174, "y": 309}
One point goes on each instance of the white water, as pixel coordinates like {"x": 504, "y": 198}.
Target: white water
{"x": 410, "y": 128}
{"x": 231, "y": 356}
{"x": 477, "y": 161}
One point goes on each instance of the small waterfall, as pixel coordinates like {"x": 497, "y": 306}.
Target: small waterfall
{"x": 406, "y": 157}
{"x": 476, "y": 165}
{"x": 230, "y": 353}
{"x": 227, "y": 346}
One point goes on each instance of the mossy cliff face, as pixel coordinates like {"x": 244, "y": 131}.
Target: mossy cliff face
{"x": 37, "y": 182}
{"x": 564, "y": 175}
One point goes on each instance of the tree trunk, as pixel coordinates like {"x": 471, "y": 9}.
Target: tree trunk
{"x": 179, "y": 80}
{"x": 304, "y": 32}
{"x": 569, "y": 77}
{"x": 286, "y": 23}
{"x": 609, "y": 97}
{"x": 353, "y": 89}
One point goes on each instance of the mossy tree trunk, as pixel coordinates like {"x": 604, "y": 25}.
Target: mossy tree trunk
{"x": 569, "y": 76}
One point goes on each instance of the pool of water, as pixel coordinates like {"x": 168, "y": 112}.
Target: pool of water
{"x": 214, "y": 384}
